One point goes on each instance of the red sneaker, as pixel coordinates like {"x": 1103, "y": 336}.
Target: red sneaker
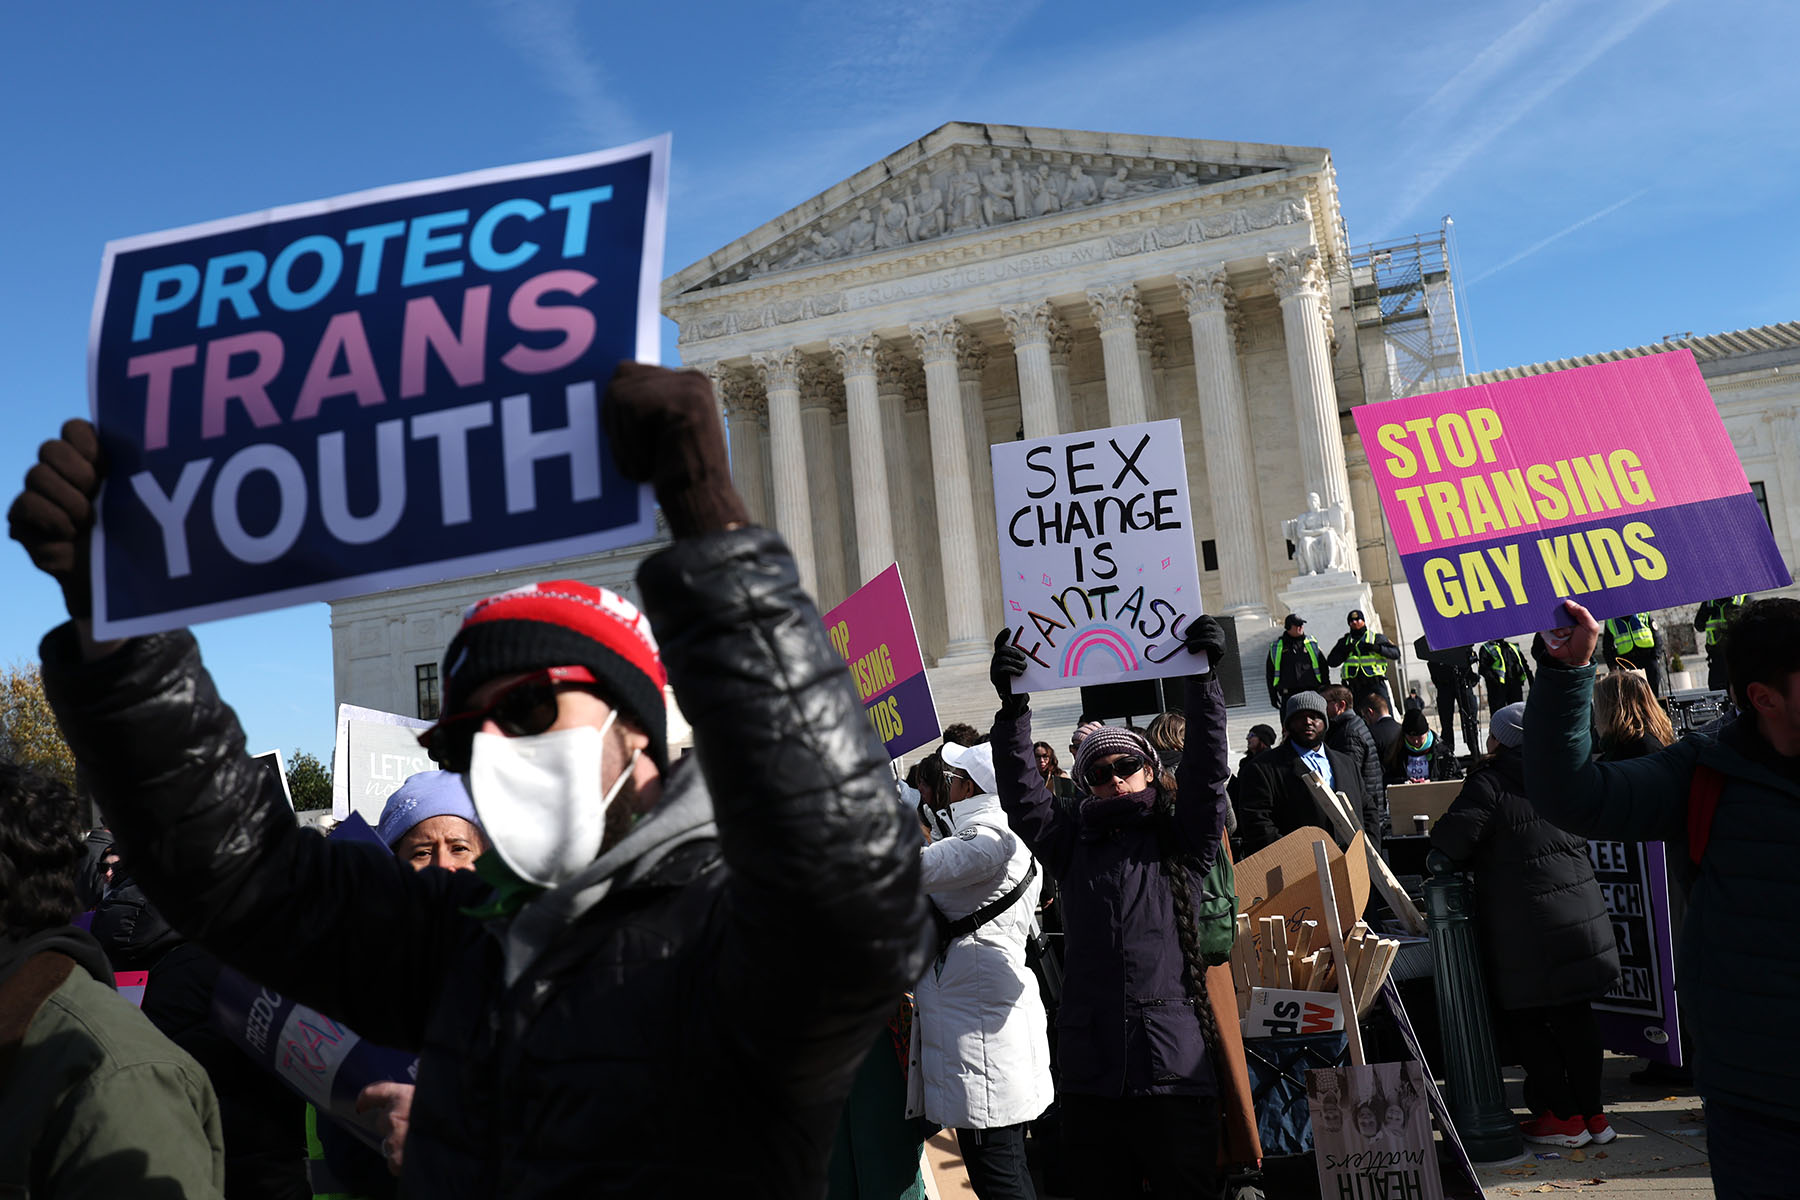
{"x": 1548, "y": 1129}
{"x": 1600, "y": 1129}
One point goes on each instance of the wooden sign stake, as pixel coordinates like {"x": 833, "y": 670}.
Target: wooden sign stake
{"x": 1335, "y": 929}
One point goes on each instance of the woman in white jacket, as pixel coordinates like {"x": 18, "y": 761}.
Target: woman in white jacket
{"x": 981, "y": 1054}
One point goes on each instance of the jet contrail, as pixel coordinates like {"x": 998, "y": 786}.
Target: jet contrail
{"x": 1532, "y": 249}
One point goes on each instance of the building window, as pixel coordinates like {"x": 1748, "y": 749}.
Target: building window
{"x": 1762, "y": 501}
{"x": 425, "y": 685}
{"x": 1209, "y": 555}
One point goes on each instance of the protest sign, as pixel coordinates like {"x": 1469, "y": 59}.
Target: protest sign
{"x": 1614, "y": 485}
{"x": 371, "y": 391}
{"x": 321, "y": 1059}
{"x": 1282, "y": 1012}
{"x": 131, "y": 985}
{"x": 1639, "y": 1016}
{"x": 1372, "y": 1132}
{"x": 1097, "y": 556}
{"x": 271, "y": 763}
{"x": 873, "y": 632}
{"x": 374, "y": 754}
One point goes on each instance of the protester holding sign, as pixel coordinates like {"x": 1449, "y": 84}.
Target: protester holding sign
{"x": 1732, "y": 800}
{"x": 603, "y": 969}
{"x": 1142, "y": 1072}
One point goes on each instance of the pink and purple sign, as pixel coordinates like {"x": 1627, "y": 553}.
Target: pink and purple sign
{"x": 1614, "y": 485}
{"x": 873, "y": 632}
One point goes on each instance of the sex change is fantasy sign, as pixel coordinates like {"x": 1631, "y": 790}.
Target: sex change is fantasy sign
{"x": 1097, "y": 555}
{"x": 1615, "y": 486}
{"x": 371, "y": 391}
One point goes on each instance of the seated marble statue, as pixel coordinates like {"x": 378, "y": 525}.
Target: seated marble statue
{"x": 1321, "y": 537}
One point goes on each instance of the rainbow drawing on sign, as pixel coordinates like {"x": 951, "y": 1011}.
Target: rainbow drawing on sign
{"x": 1099, "y": 637}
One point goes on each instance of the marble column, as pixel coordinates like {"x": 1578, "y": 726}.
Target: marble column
{"x": 1300, "y": 285}
{"x": 868, "y": 456}
{"x": 971, "y": 362}
{"x": 1028, "y": 325}
{"x": 892, "y": 372}
{"x": 1062, "y": 345}
{"x": 1116, "y": 311}
{"x": 1225, "y": 438}
{"x": 821, "y": 402}
{"x": 787, "y": 459}
{"x": 744, "y": 405}
{"x": 958, "y": 541}
{"x": 926, "y": 586}
{"x": 1152, "y": 351}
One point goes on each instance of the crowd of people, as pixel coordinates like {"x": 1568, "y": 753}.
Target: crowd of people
{"x": 764, "y": 967}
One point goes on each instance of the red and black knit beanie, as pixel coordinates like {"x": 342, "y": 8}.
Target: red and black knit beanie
{"x": 563, "y": 623}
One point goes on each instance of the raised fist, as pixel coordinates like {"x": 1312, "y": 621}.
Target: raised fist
{"x": 53, "y": 517}
{"x": 666, "y": 430}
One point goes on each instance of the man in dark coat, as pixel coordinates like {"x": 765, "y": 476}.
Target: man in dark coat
{"x": 1740, "y": 784}
{"x": 1345, "y": 731}
{"x": 1294, "y": 663}
{"x": 1504, "y": 671}
{"x": 590, "y": 1008}
{"x": 1274, "y": 798}
{"x": 1453, "y": 675}
{"x": 1546, "y": 936}
{"x": 1382, "y": 726}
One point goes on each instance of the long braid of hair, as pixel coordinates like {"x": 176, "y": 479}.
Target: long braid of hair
{"x": 1181, "y": 884}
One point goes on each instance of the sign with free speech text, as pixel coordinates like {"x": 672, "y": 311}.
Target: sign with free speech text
{"x": 371, "y": 391}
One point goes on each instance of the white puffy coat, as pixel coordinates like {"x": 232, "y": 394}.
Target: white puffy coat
{"x": 980, "y": 1049}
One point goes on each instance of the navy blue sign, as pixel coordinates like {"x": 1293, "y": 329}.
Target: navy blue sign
{"x": 374, "y": 391}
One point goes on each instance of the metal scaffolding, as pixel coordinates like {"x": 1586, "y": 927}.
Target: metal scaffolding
{"x": 1405, "y": 310}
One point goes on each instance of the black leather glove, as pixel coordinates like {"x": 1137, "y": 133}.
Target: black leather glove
{"x": 1205, "y": 635}
{"x": 666, "y": 429}
{"x": 1009, "y": 663}
{"x": 53, "y": 517}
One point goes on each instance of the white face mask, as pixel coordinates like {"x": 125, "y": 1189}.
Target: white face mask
{"x": 539, "y": 799}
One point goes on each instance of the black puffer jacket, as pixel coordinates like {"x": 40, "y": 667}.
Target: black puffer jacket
{"x": 689, "y": 1024}
{"x": 1545, "y": 935}
{"x": 128, "y": 927}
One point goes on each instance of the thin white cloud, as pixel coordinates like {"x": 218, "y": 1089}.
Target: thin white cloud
{"x": 1492, "y": 110}
{"x": 1532, "y": 249}
{"x": 546, "y": 34}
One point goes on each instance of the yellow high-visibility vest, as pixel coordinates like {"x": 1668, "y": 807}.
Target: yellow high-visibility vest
{"x": 1629, "y": 633}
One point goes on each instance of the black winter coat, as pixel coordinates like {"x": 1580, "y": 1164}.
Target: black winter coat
{"x": 1349, "y": 733}
{"x": 1273, "y": 797}
{"x": 1386, "y": 733}
{"x": 1545, "y": 934}
{"x": 690, "y": 1029}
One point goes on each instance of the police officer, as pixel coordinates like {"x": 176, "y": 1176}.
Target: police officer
{"x": 1295, "y": 663}
{"x": 1505, "y": 672}
{"x": 1364, "y": 655}
{"x": 1632, "y": 640}
{"x": 1453, "y": 675}
{"x": 1711, "y": 619}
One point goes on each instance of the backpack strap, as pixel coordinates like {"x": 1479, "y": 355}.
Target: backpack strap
{"x": 1703, "y": 803}
{"x": 992, "y": 909}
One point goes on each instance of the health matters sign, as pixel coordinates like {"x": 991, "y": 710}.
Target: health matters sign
{"x": 1614, "y": 485}
{"x": 873, "y": 632}
{"x": 372, "y": 391}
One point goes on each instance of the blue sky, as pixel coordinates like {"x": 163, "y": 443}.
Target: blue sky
{"x": 1617, "y": 171}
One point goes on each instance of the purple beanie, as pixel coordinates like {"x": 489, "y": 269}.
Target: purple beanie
{"x": 1113, "y": 739}
{"x": 423, "y": 796}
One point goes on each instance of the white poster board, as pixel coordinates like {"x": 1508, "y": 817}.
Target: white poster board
{"x": 1097, "y": 555}
{"x": 375, "y": 753}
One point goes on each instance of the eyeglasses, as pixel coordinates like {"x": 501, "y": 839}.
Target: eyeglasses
{"x": 521, "y": 709}
{"x": 1122, "y": 767}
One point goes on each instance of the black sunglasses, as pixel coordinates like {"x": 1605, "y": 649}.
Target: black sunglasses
{"x": 521, "y": 709}
{"x": 1122, "y": 767}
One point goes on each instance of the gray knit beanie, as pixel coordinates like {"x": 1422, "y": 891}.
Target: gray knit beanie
{"x": 1113, "y": 739}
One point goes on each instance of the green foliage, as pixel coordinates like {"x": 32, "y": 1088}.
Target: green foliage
{"x": 29, "y": 735}
{"x": 309, "y": 780}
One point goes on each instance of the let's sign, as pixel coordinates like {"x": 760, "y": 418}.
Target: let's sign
{"x": 372, "y": 391}
{"x": 1615, "y": 486}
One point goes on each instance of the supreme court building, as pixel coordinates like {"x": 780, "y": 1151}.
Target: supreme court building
{"x": 992, "y": 282}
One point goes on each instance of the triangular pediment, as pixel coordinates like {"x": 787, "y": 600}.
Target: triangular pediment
{"x": 965, "y": 181}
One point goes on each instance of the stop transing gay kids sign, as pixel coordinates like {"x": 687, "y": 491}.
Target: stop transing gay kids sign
{"x": 371, "y": 391}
